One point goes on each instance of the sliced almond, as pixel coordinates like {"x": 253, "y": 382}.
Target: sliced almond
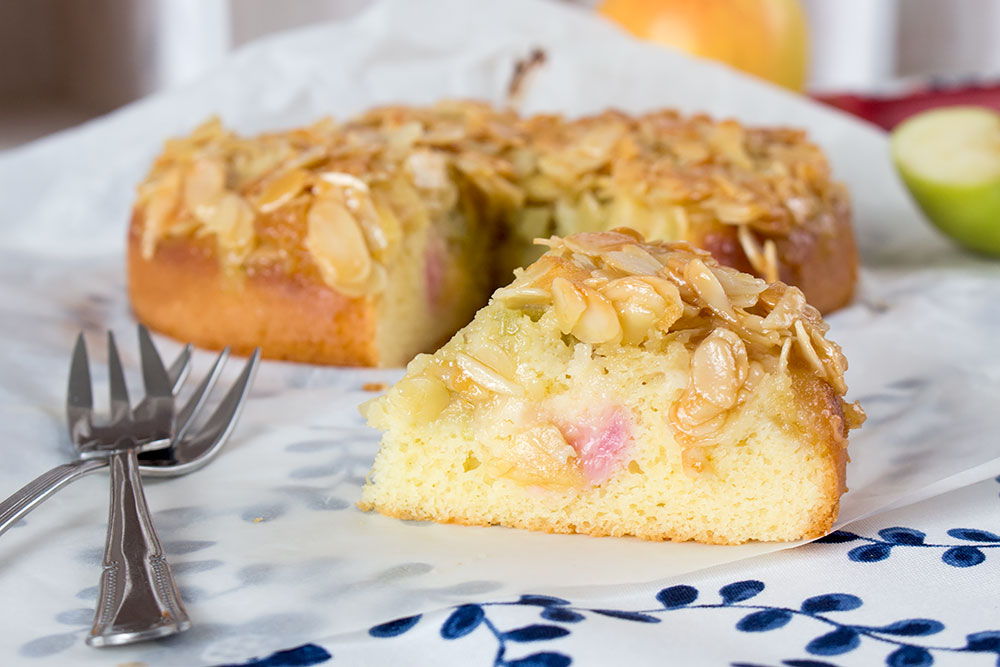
{"x": 718, "y": 368}
{"x": 569, "y": 302}
{"x": 808, "y": 352}
{"x": 522, "y": 297}
{"x": 709, "y": 289}
{"x": 422, "y": 398}
{"x": 160, "y": 207}
{"x": 232, "y": 223}
{"x": 599, "y": 321}
{"x": 204, "y": 183}
{"x": 487, "y": 377}
{"x": 640, "y": 307}
{"x": 282, "y": 189}
{"x": 338, "y": 247}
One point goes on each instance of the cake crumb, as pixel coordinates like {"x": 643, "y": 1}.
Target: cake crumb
{"x": 374, "y": 386}
{"x": 258, "y": 519}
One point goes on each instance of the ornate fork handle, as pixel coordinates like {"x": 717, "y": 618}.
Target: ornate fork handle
{"x": 32, "y": 494}
{"x": 138, "y": 597}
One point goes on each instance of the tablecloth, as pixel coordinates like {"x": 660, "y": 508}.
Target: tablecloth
{"x": 274, "y": 561}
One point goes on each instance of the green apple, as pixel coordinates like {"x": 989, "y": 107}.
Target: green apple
{"x": 949, "y": 159}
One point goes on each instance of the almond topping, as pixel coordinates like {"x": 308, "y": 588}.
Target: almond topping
{"x": 422, "y": 397}
{"x": 640, "y": 307}
{"x": 159, "y": 208}
{"x": 718, "y": 368}
{"x": 344, "y": 180}
{"x": 282, "y": 190}
{"x": 770, "y": 261}
{"x": 204, "y": 183}
{"x": 232, "y": 223}
{"x": 631, "y": 261}
{"x": 807, "y": 349}
{"x": 569, "y": 303}
{"x": 338, "y": 247}
{"x": 522, "y": 297}
{"x": 709, "y": 289}
{"x": 487, "y": 377}
{"x": 599, "y": 322}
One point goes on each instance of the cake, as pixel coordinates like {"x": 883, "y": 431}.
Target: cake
{"x": 622, "y": 387}
{"x": 367, "y": 242}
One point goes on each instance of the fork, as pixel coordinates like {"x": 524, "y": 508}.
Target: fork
{"x": 31, "y": 495}
{"x": 138, "y": 597}
{"x": 191, "y": 447}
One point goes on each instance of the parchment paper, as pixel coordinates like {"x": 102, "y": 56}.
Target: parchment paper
{"x": 267, "y": 545}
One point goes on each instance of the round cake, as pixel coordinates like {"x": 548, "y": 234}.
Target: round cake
{"x": 368, "y": 242}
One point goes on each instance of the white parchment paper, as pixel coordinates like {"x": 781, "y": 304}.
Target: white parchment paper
{"x": 268, "y": 547}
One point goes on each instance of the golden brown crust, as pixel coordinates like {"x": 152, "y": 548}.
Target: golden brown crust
{"x": 820, "y": 259}
{"x": 823, "y": 262}
{"x": 182, "y": 292}
{"x": 821, "y": 526}
{"x": 823, "y": 410}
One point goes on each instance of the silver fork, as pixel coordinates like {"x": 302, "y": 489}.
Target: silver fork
{"x": 138, "y": 598}
{"x": 190, "y": 449}
{"x": 31, "y": 495}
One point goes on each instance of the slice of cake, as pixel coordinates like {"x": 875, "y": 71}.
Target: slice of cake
{"x": 618, "y": 387}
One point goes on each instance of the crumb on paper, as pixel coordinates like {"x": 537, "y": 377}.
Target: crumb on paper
{"x": 258, "y": 519}
{"x": 374, "y": 386}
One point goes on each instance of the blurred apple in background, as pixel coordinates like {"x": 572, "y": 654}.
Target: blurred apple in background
{"x": 767, "y": 38}
{"x": 949, "y": 158}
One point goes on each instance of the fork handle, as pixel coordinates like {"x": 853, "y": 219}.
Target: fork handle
{"x": 138, "y": 597}
{"x": 32, "y": 494}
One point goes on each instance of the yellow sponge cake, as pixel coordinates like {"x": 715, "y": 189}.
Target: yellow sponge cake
{"x": 619, "y": 387}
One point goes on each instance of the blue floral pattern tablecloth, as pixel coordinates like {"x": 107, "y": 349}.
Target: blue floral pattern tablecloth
{"x": 914, "y": 587}
{"x": 274, "y": 561}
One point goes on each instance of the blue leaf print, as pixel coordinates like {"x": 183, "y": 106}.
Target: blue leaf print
{"x": 535, "y": 633}
{"x": 963, "y": 556}
{"x": 807, "y": 663}
{"x": 393, "y": 628}
{"x": 542, "y": 600}
{"x": 838, "y": 537}
{"x": 627, "y": 615}
{"x": 740, "y": 591}
{"x": 762, "y": 621}
{"x": 870, "y": 553}
{"x": 984, "y": 642}
{"x": 300, "y": 656}
{"x": 541, "y": 660}
{"x": 841, "y": 640}
{"x": 909, "y": 656}
{"x": 831, "y": 602}
{"x": 677, "y": 596}
{"x": 462, "y": 621}
{"x": 561, "y": 615}
{"x": 899, "y": 535}
{"x": 974, "y": 535}
{"x": 911, "y": 627}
